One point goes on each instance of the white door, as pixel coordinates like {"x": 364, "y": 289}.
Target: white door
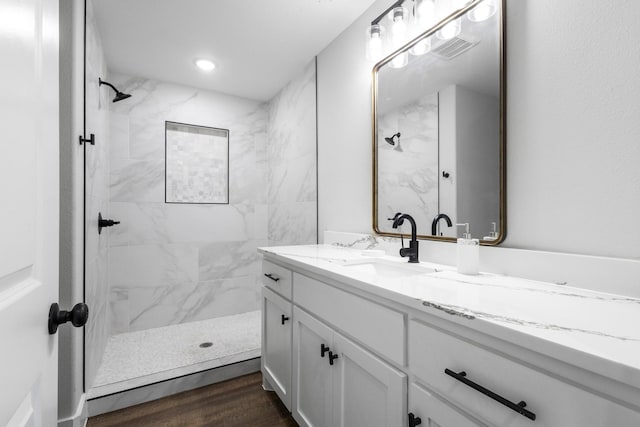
{"x": 312, "y": 373}
{"x": 367, "y": 392}
{"x": 28, "y": 211}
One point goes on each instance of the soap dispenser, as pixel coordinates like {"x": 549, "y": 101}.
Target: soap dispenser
{"x": 468, "y": 252}
{"x": 493, "y": 234}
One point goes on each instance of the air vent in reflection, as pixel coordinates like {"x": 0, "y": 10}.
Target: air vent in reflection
{"x": 452, "y": 48}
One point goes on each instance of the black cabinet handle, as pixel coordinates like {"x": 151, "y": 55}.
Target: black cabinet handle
{"x": 413, "y": 420}
{"x": 518, "y": 407}
{"x": 272, "y": 277}
{"x": 332, "y": 357}
{"x": 323, "y": 349}
{"x": 283, "y": 319}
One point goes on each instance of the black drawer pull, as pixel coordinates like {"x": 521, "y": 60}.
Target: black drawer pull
{"x": 413, "y": 420}
{"x": 323, "y": 349}
{"x": 283, "y": 319}
{"x": 332, "y": 357}
{"x": 272, "y": 277}
{"x": 518, "y": 407}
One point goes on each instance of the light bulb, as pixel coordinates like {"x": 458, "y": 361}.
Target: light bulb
{"x": 425, "y": 13}
{"x": 400, "y": 60}
{"x": 398, "y": 26}
{"x": 483, "y": 11}
{"x": 422, "y": 47}
{"x": 374, "y": 42}
{"x": 450, "y": 30}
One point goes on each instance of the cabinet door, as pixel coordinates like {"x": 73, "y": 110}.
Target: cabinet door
{"x": 433, "y": 412}
{"x": 366, "y": 391}
{"x": 276, "y": 344}
{"x": 312, "y": 381}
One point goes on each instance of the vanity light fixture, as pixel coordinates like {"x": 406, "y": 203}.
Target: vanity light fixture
{"x": 483, "y": 11}
{"x": 205, "y": 64}
{"x": 407, "y": 19}
{"x": 424, "y": 17}
{"x": 444, "y": 8}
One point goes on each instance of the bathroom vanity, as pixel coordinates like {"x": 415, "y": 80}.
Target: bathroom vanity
{"x": 351, "y": 340}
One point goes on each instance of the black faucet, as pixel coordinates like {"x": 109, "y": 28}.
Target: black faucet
{"x": 412, "y": 250}
{"x": 434, "y": 223}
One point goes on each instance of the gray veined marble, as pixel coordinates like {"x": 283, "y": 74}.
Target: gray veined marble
{"x": 221, "y": 260}
{"x": 408, "y": 172}
{"x": 291, "y": 152}
{"x": 473, "y": 314}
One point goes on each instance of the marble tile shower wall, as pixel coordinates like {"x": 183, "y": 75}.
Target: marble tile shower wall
{"x": 97, "y": 200}
{"x": 408, "y": 171}
{"x": 291, "y": 135}
{"x": 175, "y": 263}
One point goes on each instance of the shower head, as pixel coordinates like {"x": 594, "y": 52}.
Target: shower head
{"x": 391, "y": 140}
{"x": 119, "y": 95}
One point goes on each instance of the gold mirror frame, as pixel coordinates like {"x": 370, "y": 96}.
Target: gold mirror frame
{"x": 502, "y": 229}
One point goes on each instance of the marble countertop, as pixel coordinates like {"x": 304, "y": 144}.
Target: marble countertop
{"x": 597, "y": 331}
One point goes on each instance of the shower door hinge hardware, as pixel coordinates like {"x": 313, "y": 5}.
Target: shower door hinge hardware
{"x": 77, "y": 316}
{"x": 91, "y": 140}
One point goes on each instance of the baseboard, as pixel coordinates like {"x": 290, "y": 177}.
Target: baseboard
{"x": 147, "y": 393}
{"x": 80, "y": 416}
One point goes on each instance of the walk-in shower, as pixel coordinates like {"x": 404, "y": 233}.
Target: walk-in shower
{"x": 189, "y": 182}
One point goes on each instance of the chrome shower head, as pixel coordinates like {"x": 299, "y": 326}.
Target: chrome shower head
{"x": 119, "y": 95}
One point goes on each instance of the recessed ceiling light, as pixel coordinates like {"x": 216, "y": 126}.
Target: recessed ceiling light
{"x": 205, "y": 64}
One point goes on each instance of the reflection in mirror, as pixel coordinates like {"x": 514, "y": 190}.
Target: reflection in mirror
{"x": 438, "y": 140}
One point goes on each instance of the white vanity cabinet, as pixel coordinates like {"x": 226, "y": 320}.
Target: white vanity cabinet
{"x": 458, "y": 370}
{"x": 339, "y": 355}
{"x": 312, "y": 373}
{"x": 430, "y": 410}
{"x": 276, "y": 344}
{"x": 338, "y": 383}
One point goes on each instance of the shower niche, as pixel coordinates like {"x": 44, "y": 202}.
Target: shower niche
{"x": 196, "y": 164}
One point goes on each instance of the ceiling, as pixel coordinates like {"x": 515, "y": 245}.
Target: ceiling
{"x": 257, "y": 45}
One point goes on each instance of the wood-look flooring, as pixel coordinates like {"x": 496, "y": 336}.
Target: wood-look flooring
{"x": 237, "y": 402}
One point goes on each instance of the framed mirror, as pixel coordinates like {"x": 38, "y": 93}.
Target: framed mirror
{"x": 439, "y": 129}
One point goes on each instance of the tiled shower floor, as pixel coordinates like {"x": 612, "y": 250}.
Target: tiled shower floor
{"x": 145, "y": 357}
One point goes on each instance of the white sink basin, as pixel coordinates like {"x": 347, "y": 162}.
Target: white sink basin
{"x": 388, "y": 269}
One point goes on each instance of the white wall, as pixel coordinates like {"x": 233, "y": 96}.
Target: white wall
{"x": 573, "y": 126}
{"x": 478, "y": 160}
{"x": 70, "y": 375}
